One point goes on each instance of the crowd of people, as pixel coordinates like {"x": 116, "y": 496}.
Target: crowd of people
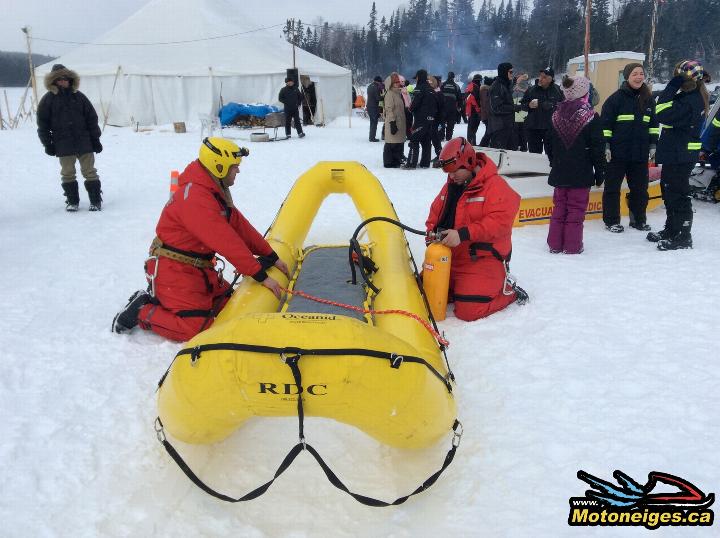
{"x": 584, "y": 148}
{"x": 473, "y": 214}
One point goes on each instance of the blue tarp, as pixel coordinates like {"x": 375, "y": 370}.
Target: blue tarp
{"x": 229, "y": 112}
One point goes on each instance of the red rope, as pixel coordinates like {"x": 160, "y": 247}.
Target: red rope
{"x": 412, "y": 315}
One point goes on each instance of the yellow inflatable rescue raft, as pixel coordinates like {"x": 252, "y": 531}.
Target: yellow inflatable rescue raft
{"x": 385, "y": 374}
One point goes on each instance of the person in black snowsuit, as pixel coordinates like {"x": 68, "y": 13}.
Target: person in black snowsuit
{"x": 631, "y": 133}
{"x": 437, "y": 130}
{"x": 539, "y": 101}
{"x": 424, "y": 109}
{"x": 291, "y": 98}
{"x": 452, "y": 101}
{"x": 680, "y": 108}
{"x": 501, "y": 116}
{"x": 375, "y": 91}
{"x": 309, "y": 103}
{"x": 68, "y": 129}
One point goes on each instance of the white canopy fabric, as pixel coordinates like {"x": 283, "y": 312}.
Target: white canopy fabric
{"x": 169, "y": 61}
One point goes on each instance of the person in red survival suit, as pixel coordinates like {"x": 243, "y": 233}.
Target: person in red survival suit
{"x": 186, "y": 291}
{"x": 474, "y": 215}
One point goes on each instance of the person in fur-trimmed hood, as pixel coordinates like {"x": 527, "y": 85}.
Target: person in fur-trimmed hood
{"x": 68, "y": 129}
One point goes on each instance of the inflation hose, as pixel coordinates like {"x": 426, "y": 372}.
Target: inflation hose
{"x": 356, "y": 251}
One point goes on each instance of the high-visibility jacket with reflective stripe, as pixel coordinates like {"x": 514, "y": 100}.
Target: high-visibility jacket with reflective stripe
{"x": 681, "y": 117}
{"x": 629, "y": 129}
{"x": 711, "y": 138}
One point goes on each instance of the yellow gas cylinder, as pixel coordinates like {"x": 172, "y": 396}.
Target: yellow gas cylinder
{"x": 436, "y": 278}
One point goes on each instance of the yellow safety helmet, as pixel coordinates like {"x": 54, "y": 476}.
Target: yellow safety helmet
{"x": 219, "y": 154}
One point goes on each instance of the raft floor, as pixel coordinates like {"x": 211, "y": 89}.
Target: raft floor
{"x": 325, "y": 273}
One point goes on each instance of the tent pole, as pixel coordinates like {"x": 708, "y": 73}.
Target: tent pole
{"x": 26, "y": 31}
{"x": 107, "y": 112}
{"x": 16, "y": 120}
{"x": 7, "y": 106}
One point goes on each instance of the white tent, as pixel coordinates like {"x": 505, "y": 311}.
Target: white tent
{"x": 171, "y": 60}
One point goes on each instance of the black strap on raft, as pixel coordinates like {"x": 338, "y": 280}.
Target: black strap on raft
{"x": 394, "y": 359}
{"x": 302, "y": 445}
{"x": 355, "y": 251}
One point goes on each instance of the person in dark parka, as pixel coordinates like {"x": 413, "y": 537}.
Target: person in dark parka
{"x": 501, "y": 117}
{"x": 680, "y": 108}
{"x": 68, "y": 129}
{"x": 540, "y": 101}
{"x": 452, "y": 97}
{"x": 631, "y": 133}
{"x": 375, "y": 92}
{"x": 424, "y": 109}
{"x": 292, "y": 99}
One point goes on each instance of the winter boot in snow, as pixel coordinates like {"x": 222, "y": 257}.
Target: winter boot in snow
{"x": 615, "y": 228}
{"x": 127, "y": 318}
{"x": 677, "y": 242}
{"x": 72, "y": 196}
{"x": 682, "y": 221}
{"x": 93, "y": 188}
{"x": 412, "y": 159}
{"x": 639, "y": 223}
{"x": 521, "y": 296}
{"x": 666, "y": 233}
{"x": 654, "y": 237}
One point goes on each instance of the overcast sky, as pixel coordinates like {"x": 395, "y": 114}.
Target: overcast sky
{"x": 85, "y": 20}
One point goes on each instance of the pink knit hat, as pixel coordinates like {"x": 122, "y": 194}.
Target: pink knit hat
{"x": 579, "y": 88}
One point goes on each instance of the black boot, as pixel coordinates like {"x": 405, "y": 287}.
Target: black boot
{"x": 72, "y": 197}
{"x": 639, "y": 222}
{"x": 667, "y": 232}
{"x": 412, "y": 159}
{"x": 93, "y": 188}
{"x": 679, "y": 241}
{"x": 682, "y": 219}
{"x": 126, "y": 319}
{"x": 654, "y": 237}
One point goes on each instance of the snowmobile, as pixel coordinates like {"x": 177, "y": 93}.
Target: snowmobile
{"x": 705, "y": 180}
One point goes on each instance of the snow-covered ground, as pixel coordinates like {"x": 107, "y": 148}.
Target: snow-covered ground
{"x": 609, "y": 367}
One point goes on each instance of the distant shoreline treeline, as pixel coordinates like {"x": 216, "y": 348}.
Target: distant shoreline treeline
{"x": 14, "y": 69}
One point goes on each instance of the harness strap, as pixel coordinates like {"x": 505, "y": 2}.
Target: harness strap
{"x": 472, "y": 298}
{"x": 292, "y": 363}
{"x": 489, "y": 247}
{"x": 158, "y": 248}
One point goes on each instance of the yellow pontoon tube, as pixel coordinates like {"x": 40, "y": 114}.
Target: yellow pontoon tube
{"x": 384, "y": 374}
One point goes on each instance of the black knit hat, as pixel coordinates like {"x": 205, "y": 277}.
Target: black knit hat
{"x": 421, "y": 75}
{"x": 451, "y": 75}
{"x": 58, "y": 67}
{"x": 629, "y": 69}
{"x": 377, "y": 78}
{"x": 549, "y": 71}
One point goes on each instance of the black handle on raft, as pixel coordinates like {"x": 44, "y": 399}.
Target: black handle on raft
{"x": 355, "y": 248}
